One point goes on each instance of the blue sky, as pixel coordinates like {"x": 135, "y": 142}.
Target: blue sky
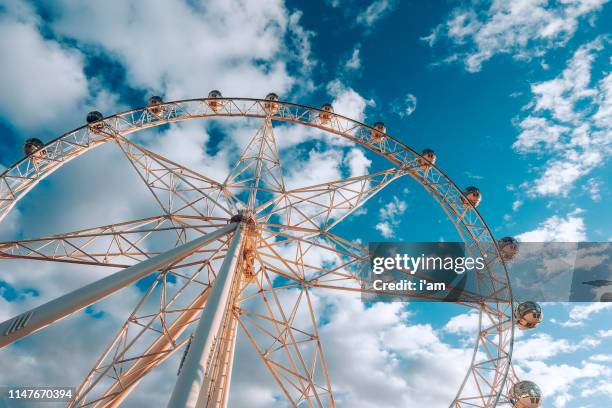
{"x": 515, "y": 100}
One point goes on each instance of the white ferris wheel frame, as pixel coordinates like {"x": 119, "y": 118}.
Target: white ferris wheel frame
{"x": 487, "y": 380}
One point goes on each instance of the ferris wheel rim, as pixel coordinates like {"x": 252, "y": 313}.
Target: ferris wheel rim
{"x": 279, "y": 119}
{"x": 275, "y": 118}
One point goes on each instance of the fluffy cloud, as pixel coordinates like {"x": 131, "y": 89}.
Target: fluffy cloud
{"x": 581, "y": 313}
{"x": 593, "y": 188}
{"x": 318, "y": 167}
{"x": 357, "y": 162}
{"x": 347, "y": 101}
{"x": 603, "y": 387}
{"x": 560, "y": 229}
{"x": 601, "y": 358}
{"x": 374, "y": 12}
{"x": 385, "y": 344}
{"x": 543, "y": 346}
{"x": 43, "y": 82}
{"x": 605, "y": 333}
{"x": 569, "y": 121}
{"x": 236, "y": 47}
{"x": 389, "y": 216}
{"x": 464, "y": 324}
{"x": 354, "y": 62}
{"x": 406, "y": 106}
{"x": 558, "y": 381}
{"x": 523, "y": 29}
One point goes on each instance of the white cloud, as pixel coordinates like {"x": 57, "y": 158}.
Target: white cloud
{"x": 560, "y": 229}
{"x": 569, "y": 123}
{"x": 318, "y": 167}
{"x": 602, "y": 388}
{"x": 385, "y": 229}
{"x": 542, "y": 346}
{"x": 603, "y": 116}
{"x": 393, "y": 209}
{"x": 601, "y": 358}
{"x": 558, "y": 381}
{"x": 593, "y": 188}
{"x": 357, "y": 162}
{"x": 523, "y": 29}
{"x": 385, "y": 344}
{"x": 42, "y": 82}
{"x": 464, "y": 324}
{"x": 300, "y": 38}
{"x": 185, "y": 143}
{"x": 236, "y": 47}
{"x": 347, "y": 101}
{"x": 375, "y": 11}
{"x": 605, "y": 333}
{"x": 390, "y": 216}
{"x": 354, "y": 62}
{"x": 473, "y": 176}
{"x": 536, "y": 357}
{"x": 581, "y": 313}
{"x": 406, "y": 106}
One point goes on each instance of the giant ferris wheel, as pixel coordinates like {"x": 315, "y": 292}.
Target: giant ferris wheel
{"x": 242, "y": 256}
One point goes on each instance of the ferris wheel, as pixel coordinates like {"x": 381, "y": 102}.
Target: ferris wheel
{"x": 242, "y": 257}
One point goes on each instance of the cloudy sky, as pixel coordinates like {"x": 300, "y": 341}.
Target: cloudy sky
{"x": 516, "y": 99}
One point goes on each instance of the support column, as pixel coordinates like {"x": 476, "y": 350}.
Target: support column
{"x": 192, "y": 376}
{"x": 42, "y": 316}
{"x": 215, "y": 391}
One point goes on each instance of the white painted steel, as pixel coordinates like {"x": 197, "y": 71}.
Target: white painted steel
{"x": 191, "y": 378}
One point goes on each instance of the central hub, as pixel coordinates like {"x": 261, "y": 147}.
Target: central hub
{"x": 244, "y": 216}
{"x": 249, "y": 247}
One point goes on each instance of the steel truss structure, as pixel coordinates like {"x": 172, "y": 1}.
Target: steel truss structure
{"x": 241, "y": 246}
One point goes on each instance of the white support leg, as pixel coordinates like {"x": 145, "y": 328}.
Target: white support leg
{"x": 214, "y": 393}
{"x": 41, "y": 316}
{"x": 191, "y": 378}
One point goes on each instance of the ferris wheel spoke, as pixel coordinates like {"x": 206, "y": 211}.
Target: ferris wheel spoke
{"x": 153, "y": 332}
{"x": 283, "y": 330}
{"x": 177, "y": 189}
{"x": 324, "y": 205}
{"x": 300, "y": 256}
{"x": 258, "y": 170}
{"x": 299, "y": 259}
{"x": 278, "y": 234}
{"x": 114, "y": 246}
